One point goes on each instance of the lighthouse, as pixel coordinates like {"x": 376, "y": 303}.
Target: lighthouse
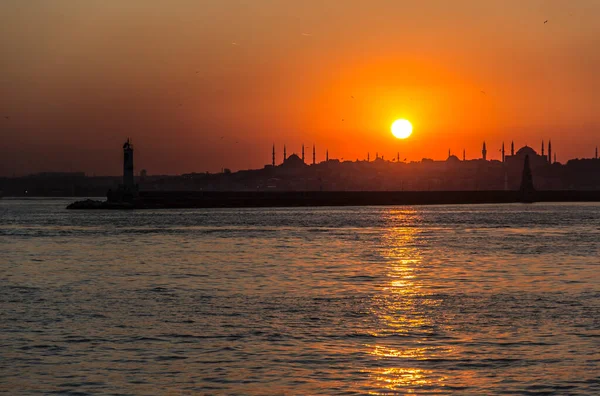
{"x": 128, "y": 181}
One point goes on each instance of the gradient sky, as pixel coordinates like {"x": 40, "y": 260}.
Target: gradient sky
{"x": 200, "y": 85}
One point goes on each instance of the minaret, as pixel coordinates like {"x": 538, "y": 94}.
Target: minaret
{"x": 503, "y": 153}
{"x": 484, "y": 152}
{"x": 314, "y": 155}
{"x": 550, "y": 151}
{"x": 464, "y": 155}
{"x": 369, "y": 156}
{"x": 302, "y": 152}
{"x": 284, "y": 154}
{"x": 128, "y": 181}
{"x": 376, "y": 155}
{"x": 327, "y": 155}
{"x": 542, "y": 148}
{"x": 512, "y": 148}
{"x": 448, "y": 153}
{"x": 398, "y": 156}
{"x": 273, "y": 154}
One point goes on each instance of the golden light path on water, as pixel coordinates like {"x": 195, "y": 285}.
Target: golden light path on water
{"x": 402, "y": 310}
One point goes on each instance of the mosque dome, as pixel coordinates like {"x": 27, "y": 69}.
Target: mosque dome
{"x": 293, "y": 161}
{"x": 453, "y": 158}
{"x": 523, "y": 151}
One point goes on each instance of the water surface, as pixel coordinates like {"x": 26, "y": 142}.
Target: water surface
{"x": 487, "y": 299}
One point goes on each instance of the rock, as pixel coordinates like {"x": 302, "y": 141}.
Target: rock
{"x": 92, "y": 204}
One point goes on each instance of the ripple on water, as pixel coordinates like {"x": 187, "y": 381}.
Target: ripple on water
{"x": 487, "y": 299}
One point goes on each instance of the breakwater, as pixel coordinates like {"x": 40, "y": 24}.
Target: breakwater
{"x": 241, "y": 199}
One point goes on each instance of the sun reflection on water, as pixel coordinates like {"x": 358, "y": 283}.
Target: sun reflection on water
{"x": 402, "y": 307}
{"x": 404, "y": 379}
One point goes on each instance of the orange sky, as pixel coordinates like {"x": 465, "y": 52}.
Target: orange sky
{"x": 187, "y": 79}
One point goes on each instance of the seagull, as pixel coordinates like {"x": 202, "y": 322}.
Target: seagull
{"x": 352, "y": 97}
{"x": 483, "y": 92}
{"x": 546, "y": 21}
{"x": 342, "y": 119}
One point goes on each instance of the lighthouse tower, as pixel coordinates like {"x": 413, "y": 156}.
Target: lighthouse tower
{"x": 128, "y": 181}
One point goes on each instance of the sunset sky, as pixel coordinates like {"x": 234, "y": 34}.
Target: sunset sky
{"x": 200, "y": 85}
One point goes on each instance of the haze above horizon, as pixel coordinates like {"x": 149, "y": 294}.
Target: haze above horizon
{"x": 202, "y": 85}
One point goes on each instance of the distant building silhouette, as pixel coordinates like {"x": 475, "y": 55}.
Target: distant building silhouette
{"x": 127, "y": 191}
{"x": 284, "y": 154}
{"x": 452, "y": 159}
{"x": 526, "y": 189}
{"x": 535, "y": 159}
{"x": 484, "y": 152}
{"x": 512, "y": 148}
{"x": 464, "y": 155}
{"x": 302, "y": 152}
{"x": 128, "y": 180}
{"x": 549, "y": 151}
{"x": 273, "y": 158}
{"x": 314, "y": 155}
{"x": 542, "y": 148}
{"x": 327, "y": 155}
{"x": 503, "y": 153}
{"x": 293, "y": 161}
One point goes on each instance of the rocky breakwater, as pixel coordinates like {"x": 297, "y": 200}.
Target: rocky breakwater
{"x": 93, "y": 204}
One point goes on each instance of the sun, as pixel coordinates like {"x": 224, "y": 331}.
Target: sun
{"x": 402, "y": 129}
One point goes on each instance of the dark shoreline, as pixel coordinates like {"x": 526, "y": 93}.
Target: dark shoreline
{"x": 261, "y": 199}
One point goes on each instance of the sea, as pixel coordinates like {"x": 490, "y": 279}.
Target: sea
{"x": 471, "y": 299}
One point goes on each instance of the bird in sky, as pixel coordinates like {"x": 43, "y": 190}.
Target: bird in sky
{"x": 352, "y": 97}
{"x": 7, "y": 117}
{"x": 545, "y": 22}
{"x": 483, "y": 92}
